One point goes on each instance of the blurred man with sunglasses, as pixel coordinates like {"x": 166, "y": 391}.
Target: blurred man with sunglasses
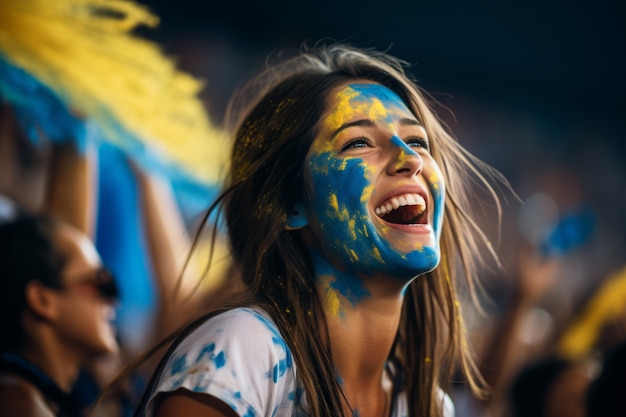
{"x": 56, "y": 310}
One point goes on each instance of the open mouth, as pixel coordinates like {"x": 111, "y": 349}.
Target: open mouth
{"x": 403, "y": 209}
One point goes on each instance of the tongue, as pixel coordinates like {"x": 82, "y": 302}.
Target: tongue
{"x": 403, "y": 215}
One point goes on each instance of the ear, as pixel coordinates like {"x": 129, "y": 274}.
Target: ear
{"x": 297, "y": 218}
{"x": 41, "y": 300}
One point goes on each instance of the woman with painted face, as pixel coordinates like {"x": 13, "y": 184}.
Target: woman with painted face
{"x": 348, "y": 221}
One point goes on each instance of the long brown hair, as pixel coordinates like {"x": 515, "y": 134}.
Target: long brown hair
{"x": 274, "y": 129}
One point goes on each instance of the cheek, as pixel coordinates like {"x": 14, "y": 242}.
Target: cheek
{"x": 340, "y": 190}
{"x": 88, "y": 315}
{"x": 339, "y": 186}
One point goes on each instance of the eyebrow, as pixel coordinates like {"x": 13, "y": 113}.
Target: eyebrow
{"x": 405, "y": 121}
{"x": 360, "y": 122}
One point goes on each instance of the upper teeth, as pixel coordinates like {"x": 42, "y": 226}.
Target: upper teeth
{"x": 400, "y": 201}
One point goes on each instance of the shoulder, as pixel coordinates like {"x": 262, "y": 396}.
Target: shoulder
{"x": 243, "y": 339}
{"x": 241, "y": 321}
{"x": 237, "y": 356}
{"x": 242, "y": 330}
{"x": 20, "y": 398}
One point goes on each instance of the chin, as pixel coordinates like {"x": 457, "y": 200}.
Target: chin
{"x": 108, "y": 345}
{"x": 112, "y": 346}
{"x": 425, "y": 260}
{"x": 406, "y": 273}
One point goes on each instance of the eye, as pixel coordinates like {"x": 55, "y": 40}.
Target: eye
{"x": 356, "y": 143}
{"x": 416, "y": 141}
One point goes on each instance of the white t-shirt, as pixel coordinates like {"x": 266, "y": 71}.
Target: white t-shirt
{"x": 240, "y": 357}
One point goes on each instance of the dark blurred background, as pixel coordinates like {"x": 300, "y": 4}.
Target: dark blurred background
{"x": 535, "y": 89}
{"x": 562, "y": 63}
{"x": 553, "y": 73}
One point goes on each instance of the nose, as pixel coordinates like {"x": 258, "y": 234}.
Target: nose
{"x": 405, "y": 160}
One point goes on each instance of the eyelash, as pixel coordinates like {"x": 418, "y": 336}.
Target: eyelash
{"x": 421, "y": 142}
{"x": 363, "y": 142}
{"x": 352, "y": 143}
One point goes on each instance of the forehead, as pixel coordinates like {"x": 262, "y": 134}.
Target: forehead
{"x": 368, "y": 100}
{"x": 77, "y": 247}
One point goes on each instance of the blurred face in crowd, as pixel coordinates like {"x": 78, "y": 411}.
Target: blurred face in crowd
{"x": 86, "y": 301}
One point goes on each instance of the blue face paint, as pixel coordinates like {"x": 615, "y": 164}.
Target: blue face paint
{"x": 339, "y": 286}
{"x": 365, "y": 142}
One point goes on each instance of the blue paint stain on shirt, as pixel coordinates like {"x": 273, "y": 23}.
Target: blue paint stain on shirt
{"x": 220, "y": 360}
{"x": 250, "y": 413}
{"x": 296, "y": 395}
{"x": 206, "y": 351}
{"x": 179, "y": 370}
{"x": 179, "y": 365}
{"x": 279, "y": 370}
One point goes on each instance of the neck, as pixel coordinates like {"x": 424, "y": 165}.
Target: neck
{"x": 59, "y": 364}
{"x": 363, "y": 315}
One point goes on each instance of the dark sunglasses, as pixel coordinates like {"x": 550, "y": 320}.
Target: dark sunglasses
{"x": 103, "y": 282}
